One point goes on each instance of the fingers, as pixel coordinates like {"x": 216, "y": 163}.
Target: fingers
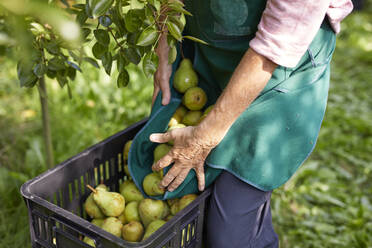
{"x": 168, "y": 178}
{"x": 178, "y": 180}
{"x": 155, "y": 94}
{"x": 161, "y": 137}
{"x": 164, "y": 87}
{"x": 200, "y": 176}
{"x": 163, "y": 162}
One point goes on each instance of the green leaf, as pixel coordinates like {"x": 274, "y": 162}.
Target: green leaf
{"x": 147, "y": 37}
{"x": 52, "y": 47}
{"x": 178, "y": 8}
{"x": 107, "y": 62}
{"x": 150, "y": 64}
{"x": 61, "y": 78}
{"x": 85, "y": 32}
{"x": 91, "y": 61}
{"x": 39, "y": 70}
{"x": 71, "y": 73}
{"x": 25, "y": 74}
{"x": 98, "y": 50}
{"x": 105, "y": 21}
{"x": 81, "y": 18}
{"x": 79, "y": 6}
{"x": 177, "y": 21}
{"x": 132, "y": 55}
{"x": 133, "y": 20}
{"x": 56, "y": 64}
{"x": 174, "y": 30}
{"x": 51, "y": 73}
{"x": 122, "y": 62}
{"x": 123, "y": 79}
{"x": 102, "y": 36}
{"x": 100, "y": 7}
{"x": 172, "y": 55}
{"x": 195, "y": 39}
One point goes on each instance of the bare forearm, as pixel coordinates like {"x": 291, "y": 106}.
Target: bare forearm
{"x": 247, "y": 81}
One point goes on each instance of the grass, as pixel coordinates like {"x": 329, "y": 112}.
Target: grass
{"x": 327, "y": 203}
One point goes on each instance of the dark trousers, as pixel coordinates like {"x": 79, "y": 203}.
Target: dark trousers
{"x": 239, "y": 216}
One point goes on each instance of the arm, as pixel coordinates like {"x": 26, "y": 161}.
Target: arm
{"x": 193, "y": 144}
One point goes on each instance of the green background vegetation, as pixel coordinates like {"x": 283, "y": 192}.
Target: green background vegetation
{"x": 328, "y": 203}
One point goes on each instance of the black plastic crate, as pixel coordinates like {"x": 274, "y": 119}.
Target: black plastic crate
{"x": 55, "y": 202}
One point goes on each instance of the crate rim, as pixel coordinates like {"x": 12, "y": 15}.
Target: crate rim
{"x": 75, "y": 219}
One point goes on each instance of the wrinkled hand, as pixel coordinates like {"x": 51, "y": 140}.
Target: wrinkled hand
{"x": 163, "y": 72}
{"x": 189, "y": 152}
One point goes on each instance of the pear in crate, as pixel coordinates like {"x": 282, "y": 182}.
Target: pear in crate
{"x": 89, "y": 241}
{"x": 126, "y": 149}
{"x": 111, "y": 203}
{"x": 166, "y": 210}
{"x": 175, "y": 208}
{"x": 97, "y": 222}
{"x": 151, "y": 184}
{"x": 131, "y": 192}
{"x": 150, "y": 210}
{"x": 126, "y": 170}
{"x": 186, "y": 200}
{"x": 133, "y": 231}
{"x": 169, "y": 217}
{"x": 124, "y": 184}
{"x": 152, "y": 227}
{"x": 113, "y": 226}
{"x": 172, "y": 201}
{"x": 91, "y": 207}
{"x": 122, "y": 218}
{"x": 131, "y": 211}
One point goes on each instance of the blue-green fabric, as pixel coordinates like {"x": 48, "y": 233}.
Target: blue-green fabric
{"x": 277, "y": 132}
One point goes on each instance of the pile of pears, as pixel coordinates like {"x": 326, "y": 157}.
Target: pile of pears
{"x": 193, "y": 100}
{"x": 188, "y": 114}
{"x": 128, "y": 213}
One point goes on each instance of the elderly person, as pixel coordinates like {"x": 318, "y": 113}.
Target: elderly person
{"x": 269, "y": 63}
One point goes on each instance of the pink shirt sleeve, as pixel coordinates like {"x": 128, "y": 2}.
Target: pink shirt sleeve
{"x": 287, "y": 28}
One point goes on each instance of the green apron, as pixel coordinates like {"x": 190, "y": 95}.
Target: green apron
{"x": 277, "y": 132}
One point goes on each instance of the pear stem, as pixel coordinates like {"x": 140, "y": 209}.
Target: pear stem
{"x": 91, "y": 188}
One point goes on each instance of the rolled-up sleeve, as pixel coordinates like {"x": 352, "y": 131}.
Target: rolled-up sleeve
{"x": 287, "y": 28}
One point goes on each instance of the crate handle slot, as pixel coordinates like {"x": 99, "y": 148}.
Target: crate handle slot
{"x": 67, "y": 235}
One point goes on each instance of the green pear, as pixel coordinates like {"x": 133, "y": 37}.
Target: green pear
{"x": 124, "y": 184}
{"x": 113, "y": 226}
{"x": 169, "y": 217}
{"x": 133, "y": 231}
{"x": 131, "y": 192}
{"x": 89, "y": 241}
{"x": 152, "y": 227}
{"x": 97, "y": 222}
{"x": 151, "y": 184}
{"x": 207, "y": 110}
{"x": 160, "y": 151}
{"x": 126, "y": 170}
{"x": 102, "y": 186}
{"x": 126, "y": 149}
{"x": 91, "y": 207}
{"x": 194, "y": 98}
{"x": 175, "y": 208}
{"x": 192, "y": 118}
{"x": 111, "y": 203}
{"x": 186, "y": 200}
{"x": 166, "y": 211}
{"x": 131, "y": 211}
{"x": 172, "y": 201}
{"x": 177, "y": 116}
{"x": 122, "y": 218}
{"x": 150, "y": 210}
{"x": 185, "y": 76}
